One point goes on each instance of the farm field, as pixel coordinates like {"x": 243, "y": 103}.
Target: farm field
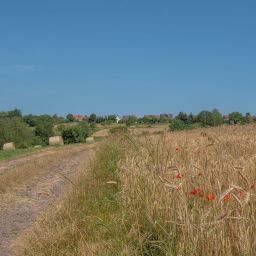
{"x": 180, "y": 193}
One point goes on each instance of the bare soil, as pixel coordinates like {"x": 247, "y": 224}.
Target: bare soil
{"x": 22, "y": 206}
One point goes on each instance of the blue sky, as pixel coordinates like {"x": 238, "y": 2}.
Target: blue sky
{"x": 127, "y": 56}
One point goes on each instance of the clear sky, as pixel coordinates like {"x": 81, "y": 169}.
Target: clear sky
{"x": 127, "y": 56}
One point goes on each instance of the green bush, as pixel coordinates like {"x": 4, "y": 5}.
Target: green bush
{"x": 44, "y": 130}
{"x": 177, "y": 125}
{"x": 13, "y": 129}
{"x": 76, "y": 134}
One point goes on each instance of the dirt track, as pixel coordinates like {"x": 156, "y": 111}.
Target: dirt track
{"x": 20, "y": 207}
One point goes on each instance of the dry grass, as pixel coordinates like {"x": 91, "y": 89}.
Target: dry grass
{"x": 184, "y": 193}
{"x": 21, "y": 174}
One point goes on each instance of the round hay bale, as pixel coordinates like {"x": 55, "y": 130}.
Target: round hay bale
{"x": 9, "y": 146}
{"x": 89, "y": 140}
{"x": 56, "y": 141}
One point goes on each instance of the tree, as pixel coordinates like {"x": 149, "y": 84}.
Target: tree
{"x": 237, "y": 118}
{"x": 191, "y": 118}
{"x": 70, "y": 118}
{"x": 92, "y": 118}
{"x": 30, "y": 120}
{"x": 217, "y": 118}
{"x": 15, "y": 130}
{"x": 44, "y": 129}
{"x": 205, "y": 118}
{"x": 177, "y": 124}
{"x": 14, "y": 113}
{"x": 183, "y": 117}
{"x": 131, "y": 120}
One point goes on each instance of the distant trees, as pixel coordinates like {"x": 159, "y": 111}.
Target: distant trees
{"x": 92, "y": 118}
{"x": 237, "y": 118}
{"x": 202, "y": 119}
{"x": 131, "y": 120}
{"x": 70, "y": 118}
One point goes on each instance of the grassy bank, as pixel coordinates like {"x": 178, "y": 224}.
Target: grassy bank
{"x": 6, "y": 155}
{"x": 184, "y": 193}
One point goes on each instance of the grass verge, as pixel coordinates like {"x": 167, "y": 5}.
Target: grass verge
{"x": 86, "y": 221}
{"x": 6, "y": 155}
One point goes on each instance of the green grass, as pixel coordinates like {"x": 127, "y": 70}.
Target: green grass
{"x": 6, "y": 155}
{"x": 86, "y": 219}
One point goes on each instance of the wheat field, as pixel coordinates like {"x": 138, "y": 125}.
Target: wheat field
{"x": 180, "y": 193}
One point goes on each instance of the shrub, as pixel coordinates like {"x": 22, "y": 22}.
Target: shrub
{"x": 44, "y": 130}
{"x": 15, "y": 130}
{"x": 177, "y": 125}
{"x": 76, "y": 134}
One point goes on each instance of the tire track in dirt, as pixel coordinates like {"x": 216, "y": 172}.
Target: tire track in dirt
{"x": 36, "y": 198}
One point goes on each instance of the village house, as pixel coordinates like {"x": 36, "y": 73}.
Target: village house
{"x": 226, "y": 118}
{"x": 79, "y": 118}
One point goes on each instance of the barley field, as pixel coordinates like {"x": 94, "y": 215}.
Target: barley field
{"x": 180, "y": 193}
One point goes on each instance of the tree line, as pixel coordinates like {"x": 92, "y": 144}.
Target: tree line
{"x": 30, "y": 130}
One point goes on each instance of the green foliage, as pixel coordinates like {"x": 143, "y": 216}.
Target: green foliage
{"x": 217, "y": 118}
{"x": 177, "y": 125}
{"x": 44, "y": 129}
{"x": 131, "y": 120}
{"x": 205, "y": 118}
{"x": 33, "y": 120}
{"x": 183, "y": 117}
{"x": 237, "y": 118}
{"x": 76, "y": 134}
{"x": 13, "y": 129}
{"x": 92, "y": 118}
{"x": 70, "y": 118}
{"x": 12, "y": 113}
{"x": 149, "y": 120}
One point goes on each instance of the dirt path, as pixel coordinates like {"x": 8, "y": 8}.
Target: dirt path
{"x": 35, "y": 197}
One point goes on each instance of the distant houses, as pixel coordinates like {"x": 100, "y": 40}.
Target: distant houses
{"x": 80, "y": 118}
{"x": 226, "y": 118}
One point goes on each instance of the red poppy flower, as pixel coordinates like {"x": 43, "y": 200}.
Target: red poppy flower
{"x": 227, "y": 198}
{"x": 197, "y": 192}
{"x": 211, "y": 197}
{"x": 179, "y": 176}
{"x": 178, "y": 149}
{"x": 193, "y": 192}
{"x": 200, "y": 174}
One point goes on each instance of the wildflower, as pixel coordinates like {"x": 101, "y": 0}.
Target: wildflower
{"x": 211, "y": 197}
{"x": 178, "y": 149}
{"x": 200, "y": 174}
{"x": 193, "y": 192}
{"x": 197, "y": 192}
{"x": 227, "y": 198}
{"x": 179, "y": 176}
